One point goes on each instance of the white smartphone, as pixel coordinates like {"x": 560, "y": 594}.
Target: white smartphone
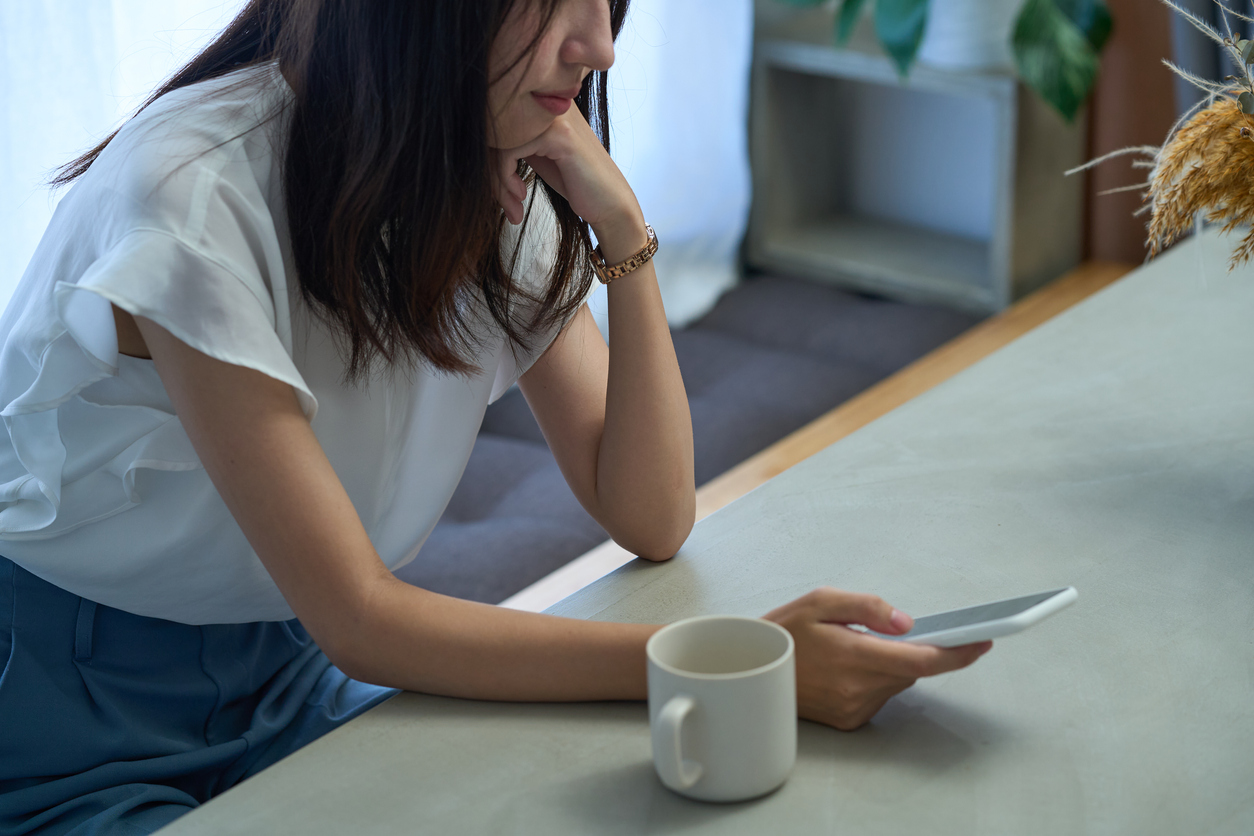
{"x": 986, "y": 621}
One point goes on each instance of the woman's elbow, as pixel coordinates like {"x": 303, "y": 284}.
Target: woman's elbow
{"x": 659, "y": 556}
{"x": 660, "y": 539}
{"x": 348, "y": 635}
{"x": 346, "y": 652}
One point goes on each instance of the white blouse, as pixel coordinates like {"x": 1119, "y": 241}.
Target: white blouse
{"x": 181, "y": 220}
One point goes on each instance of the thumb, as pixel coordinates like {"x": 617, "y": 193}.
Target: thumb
{"x": 838, "y": 607}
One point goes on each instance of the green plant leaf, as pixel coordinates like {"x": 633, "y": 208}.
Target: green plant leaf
{"x": 1054, "y": 57}
{"x": 899, "y": 25}
{"x": 1091, "y": 17}
{"x": 1246, "y": 101}
{"x": 802, "y": 2}
{"x": 850, "y": 11}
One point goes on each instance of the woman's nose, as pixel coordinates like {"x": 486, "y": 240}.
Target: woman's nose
{"x": 589, "y": 40}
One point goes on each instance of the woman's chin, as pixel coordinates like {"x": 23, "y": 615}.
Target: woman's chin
{"x": 520, "y": 132}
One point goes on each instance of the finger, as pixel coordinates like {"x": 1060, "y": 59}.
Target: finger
{"x": 546, "y": 170}
{"x": 509, "y": 188}
{"x": 512, "y": 179}
{"x": 513, "y": 207}
{"x": 840, "y": 607}
{"x": 912, "y": 660}
{"x": 533, "y": 148}
{"x": 517, "y": 186}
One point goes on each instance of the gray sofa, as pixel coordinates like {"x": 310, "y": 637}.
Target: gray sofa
{"x": 774, "y": 354}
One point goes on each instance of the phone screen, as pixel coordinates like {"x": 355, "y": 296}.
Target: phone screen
{"x": 975, "y": 615}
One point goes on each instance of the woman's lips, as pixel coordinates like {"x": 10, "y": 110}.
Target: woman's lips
{"x": 555, "y": 104}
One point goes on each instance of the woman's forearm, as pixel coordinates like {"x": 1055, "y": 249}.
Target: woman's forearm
{"x": 420, "y": 641}
{"x": 645, "y": 462}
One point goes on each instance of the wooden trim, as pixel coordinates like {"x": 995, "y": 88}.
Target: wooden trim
{"x": 855, "y": 413}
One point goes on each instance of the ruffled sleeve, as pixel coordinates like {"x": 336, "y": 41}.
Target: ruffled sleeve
{"x": 78, "y": 430}
{"x": 217, "y": 310}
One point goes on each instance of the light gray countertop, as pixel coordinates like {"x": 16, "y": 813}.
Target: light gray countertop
{"x": 1111, "y": 449}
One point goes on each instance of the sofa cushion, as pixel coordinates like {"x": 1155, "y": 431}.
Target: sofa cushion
{"x": 744, "y": 396}
{"x": 833, "y": 324}
{"x": 773, "y": 355}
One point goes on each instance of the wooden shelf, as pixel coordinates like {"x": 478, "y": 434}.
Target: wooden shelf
{"x": 918, "y": 264}
{"x": 944, "y": 186}
{"x": 863, "y": 61}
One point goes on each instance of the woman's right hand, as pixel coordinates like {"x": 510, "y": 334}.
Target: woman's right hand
{"x": 843, "y": 676}
{"x": 570, "y": 158}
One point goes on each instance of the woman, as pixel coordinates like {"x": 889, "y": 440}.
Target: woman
{"x": 244, "y": 371}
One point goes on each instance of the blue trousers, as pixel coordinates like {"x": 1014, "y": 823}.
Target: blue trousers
{"x": 113, "y": 723}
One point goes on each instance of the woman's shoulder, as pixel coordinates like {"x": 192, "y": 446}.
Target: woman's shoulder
{"x": 184, "y": 199}
{"x": 210, "y": 114}
{"x": 195, "y": 171}
{"x": 222, "y": 133}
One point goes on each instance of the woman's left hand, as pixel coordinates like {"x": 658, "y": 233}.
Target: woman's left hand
{"x": 570, "y": 158}
{"x": 844, "y": 677}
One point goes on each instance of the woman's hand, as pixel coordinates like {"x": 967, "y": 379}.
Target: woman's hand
{"x": 570, "y": 158}
{"x": 843, "y": 676}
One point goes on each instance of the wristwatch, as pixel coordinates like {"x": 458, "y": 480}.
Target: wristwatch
{"x": 607, "y": 274}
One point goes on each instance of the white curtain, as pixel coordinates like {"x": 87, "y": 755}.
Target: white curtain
{"x": 679, "y": 99}
{"x": 71, "y": 70}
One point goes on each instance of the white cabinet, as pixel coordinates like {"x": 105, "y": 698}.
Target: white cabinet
{"x": 943, "y": 187}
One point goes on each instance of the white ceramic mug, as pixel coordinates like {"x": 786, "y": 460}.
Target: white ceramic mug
{"x": 722, "y": 706}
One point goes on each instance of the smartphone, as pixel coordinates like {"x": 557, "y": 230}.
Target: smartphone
{"x": 986, "y": 621}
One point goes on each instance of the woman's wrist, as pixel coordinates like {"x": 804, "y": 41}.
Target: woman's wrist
{"x": 622, "y": 236}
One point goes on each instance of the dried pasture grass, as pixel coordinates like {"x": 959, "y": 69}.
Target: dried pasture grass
{"x": 1207, "y": 166}
{"x": 1205, "y": 169}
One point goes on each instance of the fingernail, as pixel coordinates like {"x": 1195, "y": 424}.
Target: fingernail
{"x": 901, "y": 621}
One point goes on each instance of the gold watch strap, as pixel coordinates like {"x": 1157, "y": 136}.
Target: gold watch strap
{"x": 608, "y": 274}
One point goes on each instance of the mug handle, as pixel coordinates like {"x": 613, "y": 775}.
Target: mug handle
{"x": 674, "y": 769}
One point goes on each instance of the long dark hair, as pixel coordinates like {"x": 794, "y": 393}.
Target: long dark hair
{"x": 386, "y": 172}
